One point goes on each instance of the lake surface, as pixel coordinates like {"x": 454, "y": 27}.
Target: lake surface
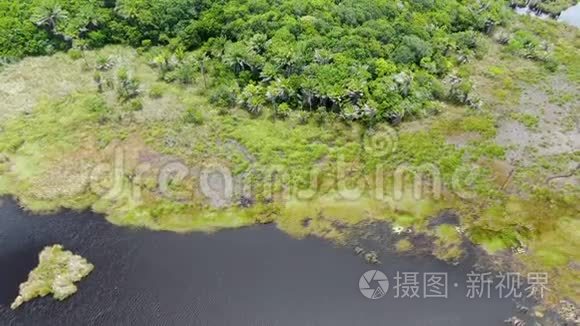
{"x": 253, "y": 276}
{"x": 571, "y": 15}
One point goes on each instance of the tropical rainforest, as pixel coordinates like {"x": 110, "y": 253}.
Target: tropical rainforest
{"x": 338, "y": 56}
{"x": 331, "y": 96}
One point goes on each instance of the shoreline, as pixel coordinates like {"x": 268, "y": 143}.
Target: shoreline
{"x": 371, "y": 236}
{"x": 537, "y": 8}
{"x": 419, "y": 263}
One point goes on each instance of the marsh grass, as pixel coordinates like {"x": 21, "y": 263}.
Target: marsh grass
{"x": 83, "y": 127}
{"x": 404, "y": 245}
{"x": 529, "y": 120}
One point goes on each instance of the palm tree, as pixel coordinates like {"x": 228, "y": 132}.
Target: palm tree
{"x": 88, "y": 19}
{"x": 240, "y": 57}
{"x": 128, "y": 9}
{"x": 48, "y": 15}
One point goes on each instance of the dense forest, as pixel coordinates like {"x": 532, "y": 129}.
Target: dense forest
{"x": 365, "y": 60}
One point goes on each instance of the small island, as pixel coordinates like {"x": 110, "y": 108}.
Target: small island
{"x": 56, "y": 273}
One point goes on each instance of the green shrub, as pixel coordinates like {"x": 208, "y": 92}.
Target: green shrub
{"x": 282, "y": 111}
{"x": 134, "y": 105}
{"x": 303, "y": 117}
{"x": 127, "y": 86}
{"x": 224, "y": 96}
{"x": 156, "y": 91}
{"x": 75, "y": 54}
{"x": 528, "y": 120}
{"x": 104, "y": 63}
{"x": 193, "y": 116}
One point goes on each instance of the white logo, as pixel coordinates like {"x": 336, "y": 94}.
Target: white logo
{"x": 374, "y": 278}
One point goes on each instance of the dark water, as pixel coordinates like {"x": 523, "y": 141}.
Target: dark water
{"x": 255, "y": 276}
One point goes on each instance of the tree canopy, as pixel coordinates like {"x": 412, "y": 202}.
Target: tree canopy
{"x": 360, "y": 58}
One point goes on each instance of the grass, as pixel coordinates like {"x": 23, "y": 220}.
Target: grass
{"x": 404, "y": 245}
{"x": 448, "y": 243}
{"x": 562, "y": 98}
{"x": 329, "y": 175}
{"x": 529, "y": 120}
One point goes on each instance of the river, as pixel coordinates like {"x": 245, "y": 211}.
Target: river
{"x": 253, "y": 276}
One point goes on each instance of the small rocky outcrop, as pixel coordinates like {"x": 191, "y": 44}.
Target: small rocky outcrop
{"x": 56, "y": 273}
{"x": 372, "y": 257}
{"x": 515, "y": 321}
{"x": 569, "y": 312}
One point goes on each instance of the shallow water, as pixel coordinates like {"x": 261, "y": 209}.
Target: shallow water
{"x": 571, "y": 15}
{"x": 253, "y": 276}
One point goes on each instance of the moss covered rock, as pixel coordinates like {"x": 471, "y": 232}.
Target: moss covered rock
{"x": 56, "y": 273}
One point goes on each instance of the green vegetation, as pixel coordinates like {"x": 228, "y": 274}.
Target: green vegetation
{"x": 56, "y": 273}
{"x": 404, "y": 245}
{"x": 324, "y": 113}
{"x": 364, "y": 60}
{"x": 527, "y": 120}
{"x": 448, "y": 243}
